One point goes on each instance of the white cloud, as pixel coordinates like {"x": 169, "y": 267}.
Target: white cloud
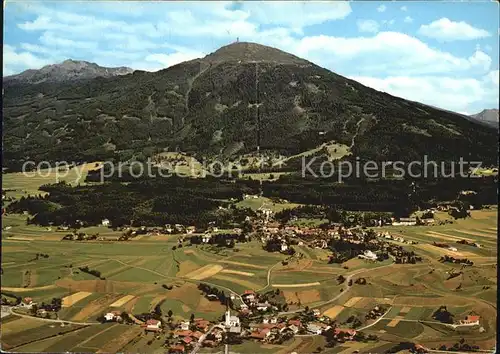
{"x": 367, "y": 26}
{"x": 52, "y": 40}
{"x": 388, "y": 52}
{"x": 15, "y": 61}
{"x": 381, "y": 8}
{"x": 388, "y": 22}
{"x": 444, "y": 92}
{"x": 447, "y": 30}
{"x": 408, "y": 19}
{"x": 404, "y": 8}
{"x": 167, "y": 60}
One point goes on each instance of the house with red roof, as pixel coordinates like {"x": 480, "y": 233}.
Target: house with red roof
{"x": 470, "y": 320}
{"x": 177, "y": 348}
{"x": 153, "y": 325}
{"x": 345, "y": 333}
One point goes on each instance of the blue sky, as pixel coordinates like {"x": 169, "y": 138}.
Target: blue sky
{"x": 440, "y": 53}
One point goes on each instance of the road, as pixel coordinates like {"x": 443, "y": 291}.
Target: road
{"x": 376, "y": 321}
{"x": 202, "y": 338}
{"x": 10, "y": 309}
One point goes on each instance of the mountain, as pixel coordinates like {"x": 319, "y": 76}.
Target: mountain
{"x": 68, "y": 70}
{"x": 226, "y": 104}
{"x": 489, "y": 116}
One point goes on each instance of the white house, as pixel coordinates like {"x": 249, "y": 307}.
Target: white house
{"x": 206, "y": 238}
{"x": 185, "y": 325}
{"x": 112, "y": 316}
{"x": 453, "y": 249}
{"x": 316, "y": 312}
{"x": 368, "y": 255}
{"x": 105, "y": 222}
{"x": 28, "y": 303}
{"x": 284, "y": 247}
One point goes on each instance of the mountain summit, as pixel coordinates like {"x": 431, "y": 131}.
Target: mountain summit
{"x": 68, "y": 70}
{"x": 253, "y": 52}
{"x": 240, "y": 97}
{"x": 488, "y": 116}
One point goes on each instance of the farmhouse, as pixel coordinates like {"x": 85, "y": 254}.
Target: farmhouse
{"x": 346, "y": 334}
{"x": 190, "y": 229}
{"x": 153, "y": 325}
{"x": 201, "y": 324}
{"x": 317, "y": 328}
{"x": 105, "y": 222}
{"x": 470, "y": 321}
{"x": 113, "y": 316}
{"x": 27, "y": 303}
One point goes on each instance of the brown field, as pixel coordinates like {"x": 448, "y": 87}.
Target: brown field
{"x": 352, "y": 301}
{"x": 74, "y": 298}
{"x": 246, "y": 283}
{"x": 180, "y": 293}
{"x": 475, "y": 233}
{"x": 209, "y": 306}
{"x": 20, "y": 324}
{"x": 228, "y": 271}
{"x": 405, "y": 310}
{"x": 242, "y": 264}
{"x": 18, "y": 238}
{"x": 187, "y": 267}
{"x": 188, "y": 251}
{"x": 204, "y": 272}
{"x": 46, "y": 287}
{"x": 299, "y": 265}
{"x": 303, "y": 296}
{"x": 105, "y": 286}
{"x": 7, "y": 249}
{"x": 301, "y": 285}
{"x": 483, "y": 214}
{"x": 334, "y": 311}
{"x": 443, "y": 251}
{"x": 394, "y": 322}
{"x": 353, "y": 263}
{"x": 122, "y": 301}
{"x": 447, "y": 237}
{"x": 95, "y": 307}
{"x": 417, "y": 301}
{"x": 115, "y": 344}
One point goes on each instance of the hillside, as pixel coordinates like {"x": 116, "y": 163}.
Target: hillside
{"x": 68, "y": 70}
{"x": 224, "y": 104}
{"x": 489, "y": 116}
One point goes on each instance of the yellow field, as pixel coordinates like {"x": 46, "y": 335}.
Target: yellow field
{"x": 122, "y": 301}
{"x": 243, "y": 264}
{"x": 334, "y": 311}
{"x": 405, "y": 309}
{"x": 295, "y": 285}
{"x": 204, "y": 272}
{"x": 352, "y": 301}
{"x": 46, "y": 287}
{"x": 74, "y": 298}
{"x": 247, "y": 284}
{"x": 302, "y": 296}
{"x": 228, "y": 271}
{"x": 394, "y": 322}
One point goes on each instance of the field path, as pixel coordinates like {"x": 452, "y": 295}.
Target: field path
{"x": 51, "y": 320}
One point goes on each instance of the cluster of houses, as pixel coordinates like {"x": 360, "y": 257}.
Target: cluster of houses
{"x": 386, "y": 235}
